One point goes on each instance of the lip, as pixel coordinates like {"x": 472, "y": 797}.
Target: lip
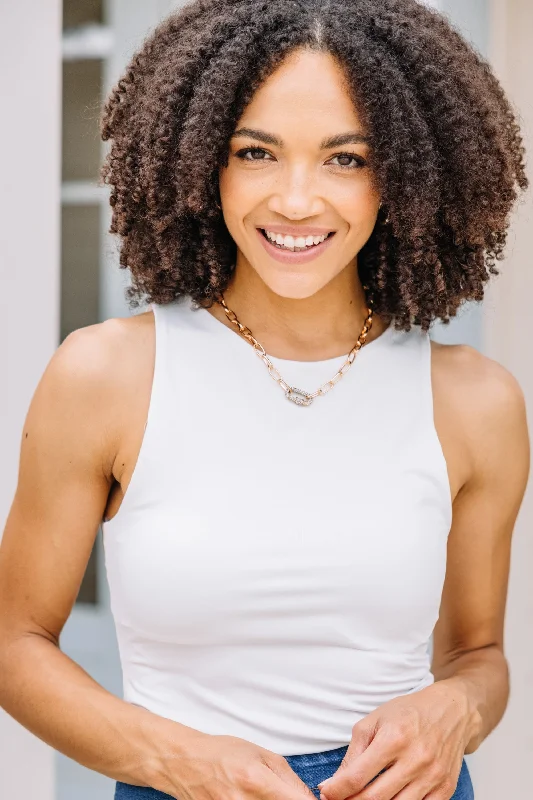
{"x": 290, "y": 257}
{"x": 295, "y": 230}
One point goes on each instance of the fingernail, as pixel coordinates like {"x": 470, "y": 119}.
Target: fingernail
{"x": 320, "y": 785}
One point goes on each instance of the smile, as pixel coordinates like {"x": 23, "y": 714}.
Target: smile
{"x": 294, "y": 243}
{"x": 294, "y": 249}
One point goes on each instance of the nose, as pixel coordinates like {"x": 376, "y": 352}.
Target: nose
{"x": 296, "y": 195}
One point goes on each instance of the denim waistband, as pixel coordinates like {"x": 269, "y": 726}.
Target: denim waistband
{"x": 311, "y": 768}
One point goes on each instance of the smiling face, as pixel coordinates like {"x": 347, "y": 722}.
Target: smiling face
{"x": 297, "y": 168}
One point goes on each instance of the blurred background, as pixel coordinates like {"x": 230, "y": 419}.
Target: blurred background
{"x": 59, "y": 269}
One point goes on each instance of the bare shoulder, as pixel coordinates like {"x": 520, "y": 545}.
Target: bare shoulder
{"x": 477, "y": 381}
{"x": 96, "y": 370}
{"x": 72, "y": 434}
{"x": 94, "y": 347}
{"x": 102, "y": 354}
{"x": 483, "y": 400}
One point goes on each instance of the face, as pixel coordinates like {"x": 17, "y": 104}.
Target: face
{"x": 298, "y": 168}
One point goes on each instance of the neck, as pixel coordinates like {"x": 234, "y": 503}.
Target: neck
{"x": 325, "y": 325}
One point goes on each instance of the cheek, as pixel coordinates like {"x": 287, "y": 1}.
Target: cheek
{"x": 228, "y": 196}
{"x": 239, "y": 195}
{"x": 235, "y": 182}
{"x": 359, "y": 208}
{"x": 355, "y": 196}
{"x": 224, "y": 184}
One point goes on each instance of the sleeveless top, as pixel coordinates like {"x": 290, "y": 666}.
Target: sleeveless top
{"x": 275, "y": 571}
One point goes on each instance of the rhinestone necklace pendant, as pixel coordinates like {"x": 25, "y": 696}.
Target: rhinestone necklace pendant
{"x": 298, "y": 396}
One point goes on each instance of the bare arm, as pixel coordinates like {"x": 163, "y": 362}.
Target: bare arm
{"x": 469, "y": 641}
{"x": 69, "y": 445}
{"x": 414, "y": 745}
{"x": 67, "y": 452}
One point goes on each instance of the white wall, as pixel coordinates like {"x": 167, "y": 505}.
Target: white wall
{"x": 502, "y": 765}
{"x": 30, "y": 83}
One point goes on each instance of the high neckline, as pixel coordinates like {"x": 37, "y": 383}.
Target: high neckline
{"x": 374, "y": 344}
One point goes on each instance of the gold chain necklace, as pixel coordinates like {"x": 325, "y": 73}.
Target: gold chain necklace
{"x": 298, "y": 396}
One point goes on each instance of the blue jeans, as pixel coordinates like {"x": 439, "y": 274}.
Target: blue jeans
{"x": 312, "y": 769}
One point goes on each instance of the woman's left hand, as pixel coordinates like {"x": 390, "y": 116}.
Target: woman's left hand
{"x": 418, "y": 739}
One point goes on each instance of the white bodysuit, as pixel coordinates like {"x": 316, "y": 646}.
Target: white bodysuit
{"x": 275, "y": 570}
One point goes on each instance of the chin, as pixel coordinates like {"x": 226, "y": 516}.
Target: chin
{"x": 293, "y": 287}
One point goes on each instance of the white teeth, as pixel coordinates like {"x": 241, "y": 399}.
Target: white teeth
{"x": 291, "y": 243}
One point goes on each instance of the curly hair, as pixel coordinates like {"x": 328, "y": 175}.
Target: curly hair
{"x": 446, "y": 151}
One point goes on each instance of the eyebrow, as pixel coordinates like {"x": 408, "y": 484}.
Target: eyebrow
{"x": 352, "y": 137}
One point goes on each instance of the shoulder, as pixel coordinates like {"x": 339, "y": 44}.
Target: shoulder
{"x": 101, "y": 353}
{"x": 104, "y": 339}
{"x": 485, "y": 401}
{"x": 477, "y": 380}
{"x": 104, "y": 360}
{"x": 90, "y": 379}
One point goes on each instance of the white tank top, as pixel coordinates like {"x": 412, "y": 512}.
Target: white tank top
{"x": 276, "y": 571}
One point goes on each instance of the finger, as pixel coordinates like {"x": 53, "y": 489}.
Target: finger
{"x": 386, "y": 786}
{"x": 432, "y": 785}
{"x": 415, "y": 791}
{"x": 359, "y": 772}
{"x": 418, "y": 790}
{"x": 362, "y": 734}
{"x": 283, "y": 783}
{"x": 446, "y": 792}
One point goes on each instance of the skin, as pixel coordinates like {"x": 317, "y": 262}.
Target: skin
{"x": 82, "y": 437}
{"x": 311, "y": 311}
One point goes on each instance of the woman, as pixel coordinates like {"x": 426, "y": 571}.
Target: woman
{"x": 318, "y": 183}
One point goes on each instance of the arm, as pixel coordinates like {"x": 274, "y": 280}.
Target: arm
{"x": 68, "y": 447}
{"x": 419, "y": 740}
{"x": 468, "y": 650}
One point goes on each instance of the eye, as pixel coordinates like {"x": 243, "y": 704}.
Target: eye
{"x": 358, "y": 161}
{"x": 256, "y": 154}
{"x": 259, "y": 154}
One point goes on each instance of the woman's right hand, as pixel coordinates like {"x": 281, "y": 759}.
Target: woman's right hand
{"x": 230, "y": 768}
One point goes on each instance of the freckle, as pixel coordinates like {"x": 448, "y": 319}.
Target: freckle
{"x": 26, "y": 436}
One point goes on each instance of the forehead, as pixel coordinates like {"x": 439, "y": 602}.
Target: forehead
{"x": 309, "y": 88}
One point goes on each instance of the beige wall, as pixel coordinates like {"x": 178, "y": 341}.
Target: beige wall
{"x": 30, "y": 75}
{"x": 502, "y": 766}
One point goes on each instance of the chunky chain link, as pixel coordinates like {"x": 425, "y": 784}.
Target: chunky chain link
{"x": 298, "y": 396}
